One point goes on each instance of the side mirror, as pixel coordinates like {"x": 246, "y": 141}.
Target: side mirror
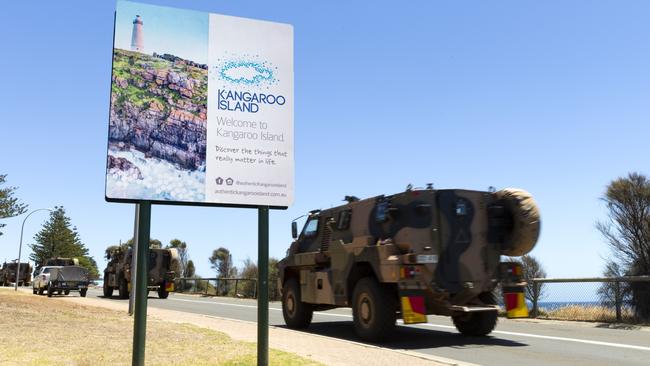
{"x": 294, "y": 229}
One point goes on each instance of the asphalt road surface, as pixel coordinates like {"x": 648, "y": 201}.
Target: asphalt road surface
{"x": 514, "y": 342}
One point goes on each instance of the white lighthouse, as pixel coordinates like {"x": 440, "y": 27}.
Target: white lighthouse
{"x": 137, "y": 37}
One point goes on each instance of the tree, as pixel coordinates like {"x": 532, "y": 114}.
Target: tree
{"x": 221, "y": 262}
{"x": 184, "y": 257}
{"x": 10, "y": 206}
{"x": 250, "y": 271}
{"x": 532, "y": 268}
{"x": 627, "y": 232}
{"x": 611, "y": 293}
{"x": 189, "y": 269}
{"x": 274, "y": 274}
{"x": 58, "y": 239}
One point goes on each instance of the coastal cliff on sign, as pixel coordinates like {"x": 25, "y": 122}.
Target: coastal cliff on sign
{"x": 157, "y": 123}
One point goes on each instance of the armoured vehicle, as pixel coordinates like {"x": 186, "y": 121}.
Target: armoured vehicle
{"x": 8, "y": 274}
{"x": 164, "y": 265}
{"x": 60, "y": 261}
{"x": 419, "y": 252}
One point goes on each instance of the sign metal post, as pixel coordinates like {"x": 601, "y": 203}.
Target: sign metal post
{"x": 142, "y": 251}
{"x": 134, "y": 258}
{"x": 263, "y": 284}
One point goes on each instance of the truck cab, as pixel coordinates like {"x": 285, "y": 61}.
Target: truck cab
{"x": 42, "y": 279}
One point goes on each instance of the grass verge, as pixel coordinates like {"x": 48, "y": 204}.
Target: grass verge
{"x": 35, "y": 330}
{"x": 587, "y": 313}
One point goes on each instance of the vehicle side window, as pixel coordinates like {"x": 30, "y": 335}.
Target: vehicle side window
{"x": 46, "y": 270}
{"x": 343, "y": 222}
{"x": 311, "y": 228}
{"x": 381, "y": 211}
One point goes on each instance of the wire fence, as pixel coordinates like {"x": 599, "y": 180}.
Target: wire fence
{"x": 232, "y": 287}
{"x": 600, "y": 299}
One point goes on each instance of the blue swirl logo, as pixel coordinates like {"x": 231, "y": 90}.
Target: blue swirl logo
{"x": 247, "y": 73}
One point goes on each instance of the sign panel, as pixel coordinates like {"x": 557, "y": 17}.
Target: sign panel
{"x": 201, "y": 109}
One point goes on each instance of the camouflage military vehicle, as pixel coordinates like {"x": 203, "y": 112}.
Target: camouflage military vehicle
{"x": 164, "y": 265}
{"x": 8, "y": 274}
{"x": 419, "y": 252}
{"x": 60, "y": 261}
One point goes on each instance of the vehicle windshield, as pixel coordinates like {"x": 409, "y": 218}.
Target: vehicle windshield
{"x": 311, "y": 227}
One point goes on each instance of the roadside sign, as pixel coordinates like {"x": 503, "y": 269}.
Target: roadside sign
{"x": 201, "y": 109}
{"x": 201, "y": 113}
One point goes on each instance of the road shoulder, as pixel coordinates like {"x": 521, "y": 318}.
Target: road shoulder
{"x": 330, "y": 351}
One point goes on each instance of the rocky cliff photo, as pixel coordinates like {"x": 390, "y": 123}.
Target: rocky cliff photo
{"x": 157, "y": 128}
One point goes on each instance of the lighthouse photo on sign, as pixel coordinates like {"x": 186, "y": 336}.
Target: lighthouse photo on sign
{"x": 158, "y": 111}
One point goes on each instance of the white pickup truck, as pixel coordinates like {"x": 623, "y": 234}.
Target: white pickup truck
{"x": 61, "y": 279}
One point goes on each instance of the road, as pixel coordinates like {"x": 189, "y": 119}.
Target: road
{"x": 514, "y": 342}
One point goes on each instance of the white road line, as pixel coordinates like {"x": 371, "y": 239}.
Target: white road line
{"x": 529, "y": 335}
{"x": 598, "y": 343}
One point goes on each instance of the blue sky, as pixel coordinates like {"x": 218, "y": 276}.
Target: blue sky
{"x": 552, "y": 97}
{"x": 183, "y": 33}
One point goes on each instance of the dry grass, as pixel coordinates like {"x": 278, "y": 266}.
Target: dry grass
{"x": 586, "y": 313}
{"x": 35, "y": 330}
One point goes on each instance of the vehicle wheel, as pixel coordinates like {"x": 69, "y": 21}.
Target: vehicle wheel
{"x": 50, "y": 291}
{"x": 162, "y": 293}
{"x": 123, "y": 290}
{"x": 40, "y": 291}
{"x": 108, "y": 290}
{"x": 82, "y": 292}
{"x": 478, "y": 323}
{"x": 526, "y": 223}
{"x": 59, "y": 292}
{"x": 373, "y": 309}
{"x": 297, "y": 314}
{"x": 67, "y": 292}
{"x": 35, "y": 291}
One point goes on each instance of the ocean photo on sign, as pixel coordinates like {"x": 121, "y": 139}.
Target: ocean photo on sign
{"x": 158, "y": 112}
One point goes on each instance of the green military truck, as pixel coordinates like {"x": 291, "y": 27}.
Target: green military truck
{"x": 8, "y": 273}
{"x": 61, "y": 261}
{"x": 164, "y": 266}
{"x": 419, "y": 252}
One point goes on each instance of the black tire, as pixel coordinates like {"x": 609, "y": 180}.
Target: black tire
{"x": 40, "y": 291}
{"x": 477, "y": 324}
{"x": 67, "y": 292}
{"x": 297, "y": 314}
{"x": 50, "y": 290}
{"x": 108, "y": 290}
{"x": 34, "y": 290}
{"x": 82, "y": 292}
{"x": 59, "y": 292}
{"x": 373, "y": 309}
{"x": 162, "y": 293}
{"x": 123, "y": 290}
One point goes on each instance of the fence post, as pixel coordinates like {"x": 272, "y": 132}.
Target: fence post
{"x": 236, "y": 283}
{"x": 255, "y": 290}
{"x": 617, "y": 295}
